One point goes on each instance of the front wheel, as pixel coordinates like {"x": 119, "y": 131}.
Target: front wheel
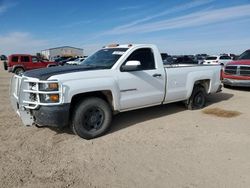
{"x": 197, "y": 99}
{"x": 91, "y": 118}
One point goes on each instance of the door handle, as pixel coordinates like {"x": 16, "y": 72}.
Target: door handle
{"x": 156, "y": 75}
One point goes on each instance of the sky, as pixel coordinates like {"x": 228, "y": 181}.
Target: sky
{"x": 175, "y": 26}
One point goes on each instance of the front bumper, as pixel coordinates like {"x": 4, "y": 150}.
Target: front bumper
{"x": 239, "y": 83}
{"x": 43, "y": 116}
{"x": 25, "y": 100}
{"x": 23, "y": 113}
{"x": 52, "y": 116}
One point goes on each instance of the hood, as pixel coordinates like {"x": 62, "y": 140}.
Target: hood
{"x": 240, "y": 62}
{"x": 45, "y": 73}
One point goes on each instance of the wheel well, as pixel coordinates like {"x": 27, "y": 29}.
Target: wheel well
{"x": 105, "y": 95}
{"x": 51, "y": 65}
{"x": 203, "y": 83}
{"x": 16, "y": 67}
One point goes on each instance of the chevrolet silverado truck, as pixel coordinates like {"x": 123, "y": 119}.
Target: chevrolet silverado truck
{"x": 18, "y": 63}
{"x": 115, "y": 79}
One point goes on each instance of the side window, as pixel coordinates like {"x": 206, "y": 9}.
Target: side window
{"x": 25, "y": 59}
{"x": 34, "y": 59}
{"x": 14, "y": 59}
{"x": 225, "y": 57}
{"x": 145, "y": 56}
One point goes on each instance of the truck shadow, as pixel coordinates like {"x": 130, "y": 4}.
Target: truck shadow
{"x": 131, "y": 118}
{"x": 218, "y": 97}
{"x": 239, "y": 88}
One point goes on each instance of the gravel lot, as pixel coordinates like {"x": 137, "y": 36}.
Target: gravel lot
{"x": 166, "y": 146}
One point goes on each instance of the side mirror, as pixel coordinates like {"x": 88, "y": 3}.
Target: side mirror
{"x": 131, "y": 66}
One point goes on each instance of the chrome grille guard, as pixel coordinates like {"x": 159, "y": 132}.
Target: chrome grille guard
{"x": 20, "y": 90}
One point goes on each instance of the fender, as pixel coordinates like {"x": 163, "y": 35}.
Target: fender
{"x": 51, "y": 65}
{"x": 198, "y": 76}
{"x": 75, "y": 87}
{"x": 15, "y": 67}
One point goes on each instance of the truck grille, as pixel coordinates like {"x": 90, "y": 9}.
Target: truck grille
{"x": 245, "y": 70}
{"x": 239, "y": 70}
{"x": 231, "y": 69}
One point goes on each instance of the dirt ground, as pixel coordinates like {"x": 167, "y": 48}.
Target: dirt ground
{"x": 165, "y": 146}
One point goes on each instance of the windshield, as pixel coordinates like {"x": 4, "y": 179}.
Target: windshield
{"x": 245, "y": 55}
{"x": 105, "y": 58}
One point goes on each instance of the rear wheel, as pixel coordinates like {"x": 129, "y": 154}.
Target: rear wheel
{"x": 91, "y": 118}
{"x": 18, "y": 71}
{"x": 198, "y": 98}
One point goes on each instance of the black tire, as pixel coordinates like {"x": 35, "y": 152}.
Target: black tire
{"x": 19, "y": 71}
{"x": 226, "y": 86}
{"x": 5, "y": 65}
{"x": 198, "y": 98}
{"x": 91, "y": 118}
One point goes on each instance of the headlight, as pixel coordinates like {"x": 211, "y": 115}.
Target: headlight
{"x": 48, "y": 86}
{"x": 49, "y": 98}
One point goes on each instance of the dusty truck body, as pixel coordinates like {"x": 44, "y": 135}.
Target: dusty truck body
{"x": 115, "y": 79}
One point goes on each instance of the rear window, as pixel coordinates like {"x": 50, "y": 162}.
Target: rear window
{"x": 225, "y": 57}
{"x": 14, "y": 59}
{"x": 25, "y": 59}
{"x": 211, "y": 58}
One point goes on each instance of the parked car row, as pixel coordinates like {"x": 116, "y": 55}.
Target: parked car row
{"x": 198, "y": 59}
{"x": 70, "y": 60}
{"x": 235, "y": 69}
{"x": 235, "y": 72}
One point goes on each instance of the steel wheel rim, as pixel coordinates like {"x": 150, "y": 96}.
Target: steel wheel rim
{"x": 199, "y": 99}
{"x": 93, "y": 119}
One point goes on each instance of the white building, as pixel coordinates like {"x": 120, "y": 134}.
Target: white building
{"x": 62, "y": 51}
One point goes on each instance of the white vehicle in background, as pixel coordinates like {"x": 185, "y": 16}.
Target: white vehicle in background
{"x": 218, "y": 60}
{"x": 76, "y": 62}
{"x": 115, "y": 79}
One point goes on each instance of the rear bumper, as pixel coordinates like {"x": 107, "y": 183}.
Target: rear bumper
{"x": 219, "y": 89}
{"x": 239, "y": 83}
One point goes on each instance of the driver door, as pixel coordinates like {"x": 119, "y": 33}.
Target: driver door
{"x": 143, "y": 87}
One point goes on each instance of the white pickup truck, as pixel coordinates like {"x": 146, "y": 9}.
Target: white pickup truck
{"x": 115, "y": 79}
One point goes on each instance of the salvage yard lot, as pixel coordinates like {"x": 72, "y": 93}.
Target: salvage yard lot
{"x": 165, "y": 146}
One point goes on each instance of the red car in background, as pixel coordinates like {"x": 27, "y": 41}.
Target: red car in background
{"x": 18, "y": 63}
{"x": 237, "y": 73}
